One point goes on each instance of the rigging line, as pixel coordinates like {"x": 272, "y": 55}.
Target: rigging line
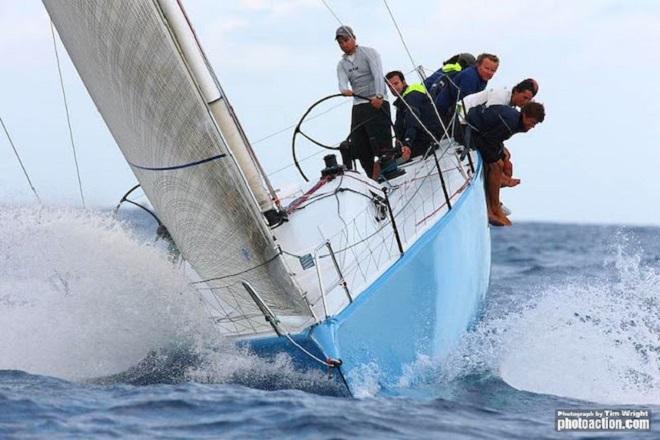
{"x": 437, "y": 113}
{"x": 293, "y": 164}
{"x": 294, "y": 125}
{"x": 68, "y": 117}
{"x": 341, "y": 217}
{"x": 20, "y": 161}
{"x": 332, "y": 12}
{"x": 268, "y": 261}
{"x": 436, "y": 141}
{"x": 396, "y": 25}
{"x": 301, "y": 348}
{"x": 403, "y": 41}
{"x": 337, "y": 190}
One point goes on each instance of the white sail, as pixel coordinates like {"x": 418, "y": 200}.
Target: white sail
{"x": 132, "y": 66}
{"x": 218, "y": 103}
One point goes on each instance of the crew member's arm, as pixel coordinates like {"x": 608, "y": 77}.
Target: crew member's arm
{"x": 501, "y": 96}
{"x": 467, "y": 85}
{"x": 470, "y": 101}
{"x": 376, "y": 69}
{"x": 499, "y": 122}
{"x": 342, "y": 79}
{"x": 412, "y": 118}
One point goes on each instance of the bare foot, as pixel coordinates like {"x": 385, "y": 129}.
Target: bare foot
{"x": 498, "y": 220}
{"x": 510, "y": 182}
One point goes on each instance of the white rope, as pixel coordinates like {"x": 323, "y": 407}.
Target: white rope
{"x": 435, "y": 109}
{"x": 405, "y": 46}
{"x": 445, "y": 128}
{"x": 20, "y": 161}
{"x": 279, "y": 170}
{"x": 68, "y": 117}
{"x": 333, "y": 13}
{"x": 275, "y": 133}
{"x": 321, "y": 361}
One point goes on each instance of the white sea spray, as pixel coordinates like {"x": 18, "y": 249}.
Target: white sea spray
{"x": 81, "y": 296}
{"x": 590, "y": 340}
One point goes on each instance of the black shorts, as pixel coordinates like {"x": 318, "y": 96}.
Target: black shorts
{"x": 489, "y": 153}
{"x": 371, "y": 134}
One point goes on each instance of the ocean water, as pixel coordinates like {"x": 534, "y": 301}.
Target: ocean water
{"x": 572, "y": 322}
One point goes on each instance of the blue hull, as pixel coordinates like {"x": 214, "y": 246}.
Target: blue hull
{"x": 419, "y": 306}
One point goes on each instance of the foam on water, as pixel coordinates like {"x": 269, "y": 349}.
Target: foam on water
{"x": 366, "y": 380}
{"x": 81, "y": 296}
{"x": 595, "y": 341}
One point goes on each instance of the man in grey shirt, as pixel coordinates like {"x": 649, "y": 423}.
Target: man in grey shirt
{"x": 371, "y": 135}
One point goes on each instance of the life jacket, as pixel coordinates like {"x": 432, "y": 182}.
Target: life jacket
{"x": 439, "y": 79}
{"x": 414, "y": 88}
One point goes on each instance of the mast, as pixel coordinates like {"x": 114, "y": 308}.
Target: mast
{"x": 158, "y": 112}
{"x": 221, "y": 109}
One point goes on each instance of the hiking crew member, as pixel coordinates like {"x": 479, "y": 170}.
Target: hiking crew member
{"x": 414, "y": 115}
{"x": 521, "y": 94}
{"x": 438, "y": 79}
{"x": 487, "y": 129}
{"x": 371, "y": 136}
{"x": 470, "y": 80}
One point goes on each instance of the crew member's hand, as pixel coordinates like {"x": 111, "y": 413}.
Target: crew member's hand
{"x": 347, "y": 92}
{"x": 376, "y": 171}
{"x": 406, "y": 152}
{"x": 507, "y": 167}
{"x": 376, "y": 103}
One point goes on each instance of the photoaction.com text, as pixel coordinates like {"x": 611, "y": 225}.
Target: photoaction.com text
{"x": 603, "y": 420}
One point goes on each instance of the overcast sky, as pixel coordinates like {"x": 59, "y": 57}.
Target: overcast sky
{"x": 593, "y": 160}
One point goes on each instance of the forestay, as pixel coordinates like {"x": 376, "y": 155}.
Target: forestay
{"x": 130, "y": 63}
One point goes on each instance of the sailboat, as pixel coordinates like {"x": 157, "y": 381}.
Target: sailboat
{"x": 352, "y": 274}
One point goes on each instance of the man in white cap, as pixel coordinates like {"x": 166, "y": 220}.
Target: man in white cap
{"x": 371, "y": 135}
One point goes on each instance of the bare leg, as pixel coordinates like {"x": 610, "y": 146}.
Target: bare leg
{"x": 507, "y": 174}
{"x": 494, "y": 182}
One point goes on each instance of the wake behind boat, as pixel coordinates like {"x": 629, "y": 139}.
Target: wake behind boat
{"x": 351, "y": 275}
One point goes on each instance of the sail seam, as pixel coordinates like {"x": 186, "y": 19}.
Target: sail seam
{"x": 178, "y": 167}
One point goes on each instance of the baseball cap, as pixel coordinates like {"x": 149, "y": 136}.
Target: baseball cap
{"x": 344, "y": 31}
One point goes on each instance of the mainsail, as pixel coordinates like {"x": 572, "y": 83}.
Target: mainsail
{"x": 133, "y": 67}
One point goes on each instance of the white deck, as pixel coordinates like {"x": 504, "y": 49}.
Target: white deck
{"x": 343, "y": 212}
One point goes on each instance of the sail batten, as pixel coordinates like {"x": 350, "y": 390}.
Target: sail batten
{"x": 152, "y": 105}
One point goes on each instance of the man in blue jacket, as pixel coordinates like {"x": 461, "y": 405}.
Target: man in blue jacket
{"x": 487, "y": 129}
{"x": 470, "y": 80}
{"x": 450, "y": 68}
{"x": 416, "y": 123}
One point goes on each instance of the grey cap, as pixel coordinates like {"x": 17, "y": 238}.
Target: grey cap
{"x": 344, "y": 31}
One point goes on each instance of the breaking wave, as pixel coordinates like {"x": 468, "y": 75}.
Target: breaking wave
{"x": 84, "y": 296}
{"x": 590, "y": 340}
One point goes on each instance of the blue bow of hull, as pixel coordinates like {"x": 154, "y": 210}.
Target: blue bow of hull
{"x": 420, "y": 306}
